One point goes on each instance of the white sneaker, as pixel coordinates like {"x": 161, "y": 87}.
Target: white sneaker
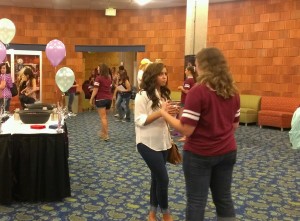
{"x": 116, "y": 115}
{"x": 71, "y": 114}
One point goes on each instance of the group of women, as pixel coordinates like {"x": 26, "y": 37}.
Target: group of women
{"x": 209, "y": 118}
{"x": 26, "y": 82}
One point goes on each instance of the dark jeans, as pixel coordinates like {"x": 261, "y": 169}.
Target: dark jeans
{"x": 156, "y": 161}
{"x": 70, "y": 101}
{"x": 202, "y": 173}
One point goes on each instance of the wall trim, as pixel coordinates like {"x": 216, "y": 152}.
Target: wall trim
{"x": 110, "y": 48}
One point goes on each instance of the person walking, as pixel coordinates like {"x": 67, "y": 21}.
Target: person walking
{"x": 152, "y": 135}
{"x": 102, "y": 98}
{"x": 71, "y": 94}
{"x": 209, "y": 119}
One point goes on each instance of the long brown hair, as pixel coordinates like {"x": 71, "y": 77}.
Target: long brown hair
{"x": 149, "y": 83}
{"x": 214, "y": 71}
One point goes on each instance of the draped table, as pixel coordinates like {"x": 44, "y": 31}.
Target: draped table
{"x": 33, "y": 163}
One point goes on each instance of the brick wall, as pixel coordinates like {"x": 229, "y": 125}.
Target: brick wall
{"x": 260, "y": 38}
{"x": 160, "y": 30}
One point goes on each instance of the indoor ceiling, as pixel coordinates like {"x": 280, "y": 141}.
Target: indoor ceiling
{"x": 95, "y": 4}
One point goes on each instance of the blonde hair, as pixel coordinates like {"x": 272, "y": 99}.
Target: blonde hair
{"x": 214, "y": 72}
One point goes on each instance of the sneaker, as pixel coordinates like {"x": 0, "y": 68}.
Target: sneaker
{"x": 71, "y": 114}
{"x": 126, "y": 120}
{"x": 116, "y": 115}
{"x": 106, "y": 138}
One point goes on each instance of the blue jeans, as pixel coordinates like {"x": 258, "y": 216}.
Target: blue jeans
{"x": 7, "y": 103}
{"x": 202, "y": 173}
{"x": 156, "y": 161}
{"x": 70, "y": 101}
{"x": 123, "y": 110}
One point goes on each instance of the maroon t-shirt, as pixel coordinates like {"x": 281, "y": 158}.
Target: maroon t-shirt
{"x": 104, "y": 88}
{"x": 213, "y": 117}
{"x": 187, "y": 85}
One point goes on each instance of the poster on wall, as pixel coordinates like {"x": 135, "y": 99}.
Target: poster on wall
{"x": 19, "y": 59}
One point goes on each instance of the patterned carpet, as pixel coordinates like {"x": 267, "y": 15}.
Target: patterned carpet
{"x": 110, "y": 181}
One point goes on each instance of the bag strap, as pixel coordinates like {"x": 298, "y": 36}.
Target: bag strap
{"x": 169, "y": 129}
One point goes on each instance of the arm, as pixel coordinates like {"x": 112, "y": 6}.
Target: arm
{"x": 34, "y": 88}
{"x": 184, "y": 129}
{"x": 182, "y": 89}
{"x": 2, "y": 84}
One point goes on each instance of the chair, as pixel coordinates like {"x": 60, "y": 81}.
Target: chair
{"x": 249, "y": 107}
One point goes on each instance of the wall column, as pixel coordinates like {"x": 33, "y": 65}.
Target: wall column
{"x": 196, "y": 27}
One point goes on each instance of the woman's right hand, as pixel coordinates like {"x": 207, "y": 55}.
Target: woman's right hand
{"x": 170, "y": 107}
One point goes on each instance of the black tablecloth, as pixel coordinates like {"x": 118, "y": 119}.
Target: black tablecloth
{"x": 5, "y": 169}
{"x": 34, "y": 167}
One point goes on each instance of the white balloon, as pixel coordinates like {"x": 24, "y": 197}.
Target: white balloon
{"x": 7, "y": 30}
{"x": 64, "y": 78}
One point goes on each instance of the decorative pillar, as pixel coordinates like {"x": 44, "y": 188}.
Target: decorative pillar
{"x": 196, "y": 28}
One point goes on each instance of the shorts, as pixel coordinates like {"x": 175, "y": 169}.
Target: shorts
{"x": 103, "y": 103}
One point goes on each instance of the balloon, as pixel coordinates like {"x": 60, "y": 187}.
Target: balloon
{"x": 64, "y": 78}
{"x": 55, "y": 51}
{"x": 7, "y": 30}
{"x": 2, "y": 52}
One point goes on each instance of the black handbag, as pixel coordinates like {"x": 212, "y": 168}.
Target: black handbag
{"x": 14, "y": 90}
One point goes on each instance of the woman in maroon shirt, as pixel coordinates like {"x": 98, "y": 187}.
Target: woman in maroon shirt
{"x": 210, "y": 117}
{"x": 102, "y": 98}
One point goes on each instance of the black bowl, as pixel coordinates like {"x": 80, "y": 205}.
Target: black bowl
{"x": 34, "y": 116}
{"x": 40, "y": 106}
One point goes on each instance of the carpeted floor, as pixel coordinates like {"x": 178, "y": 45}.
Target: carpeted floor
{"x": 110, "y": 181}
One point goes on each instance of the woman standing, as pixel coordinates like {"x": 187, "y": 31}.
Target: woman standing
{"x": 190, "y": 79}
{"x": 210, "y": 117}
{"x": 5, "y": 86}
{"x": 102, "y": 97}
{"x": 152, "y": 135}
{"x": 123, "y": 94}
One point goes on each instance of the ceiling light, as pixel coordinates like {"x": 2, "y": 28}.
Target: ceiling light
{"x": 142, "y": 2}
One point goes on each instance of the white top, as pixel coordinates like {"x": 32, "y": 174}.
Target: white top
{"x": 154, "y": 135}
{"x": 139, "y": 77}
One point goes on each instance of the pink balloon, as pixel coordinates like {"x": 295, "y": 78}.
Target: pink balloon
{"x": 55, "y": 51}
{"x": 2, "y": 52}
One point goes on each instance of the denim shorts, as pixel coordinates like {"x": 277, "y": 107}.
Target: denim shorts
{"x": 103, "y": 103}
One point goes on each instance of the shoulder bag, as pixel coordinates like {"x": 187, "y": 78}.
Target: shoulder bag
{"x": 174, "y": 156}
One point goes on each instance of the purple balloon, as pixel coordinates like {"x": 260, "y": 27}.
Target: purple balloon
{"x": 55, "y": 52}
{"x": 2, "y": 52}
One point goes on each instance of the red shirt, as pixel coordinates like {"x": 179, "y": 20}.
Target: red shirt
{"x": 104, "y": 88}
{"x": 213, "y": 117}
{"x": 187, "y": 85}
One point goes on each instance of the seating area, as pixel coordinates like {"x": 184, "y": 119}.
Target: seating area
{"x": 277, "y": 111}
{"x": 268, "y": 111}
{"x": 250, "y": 105}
